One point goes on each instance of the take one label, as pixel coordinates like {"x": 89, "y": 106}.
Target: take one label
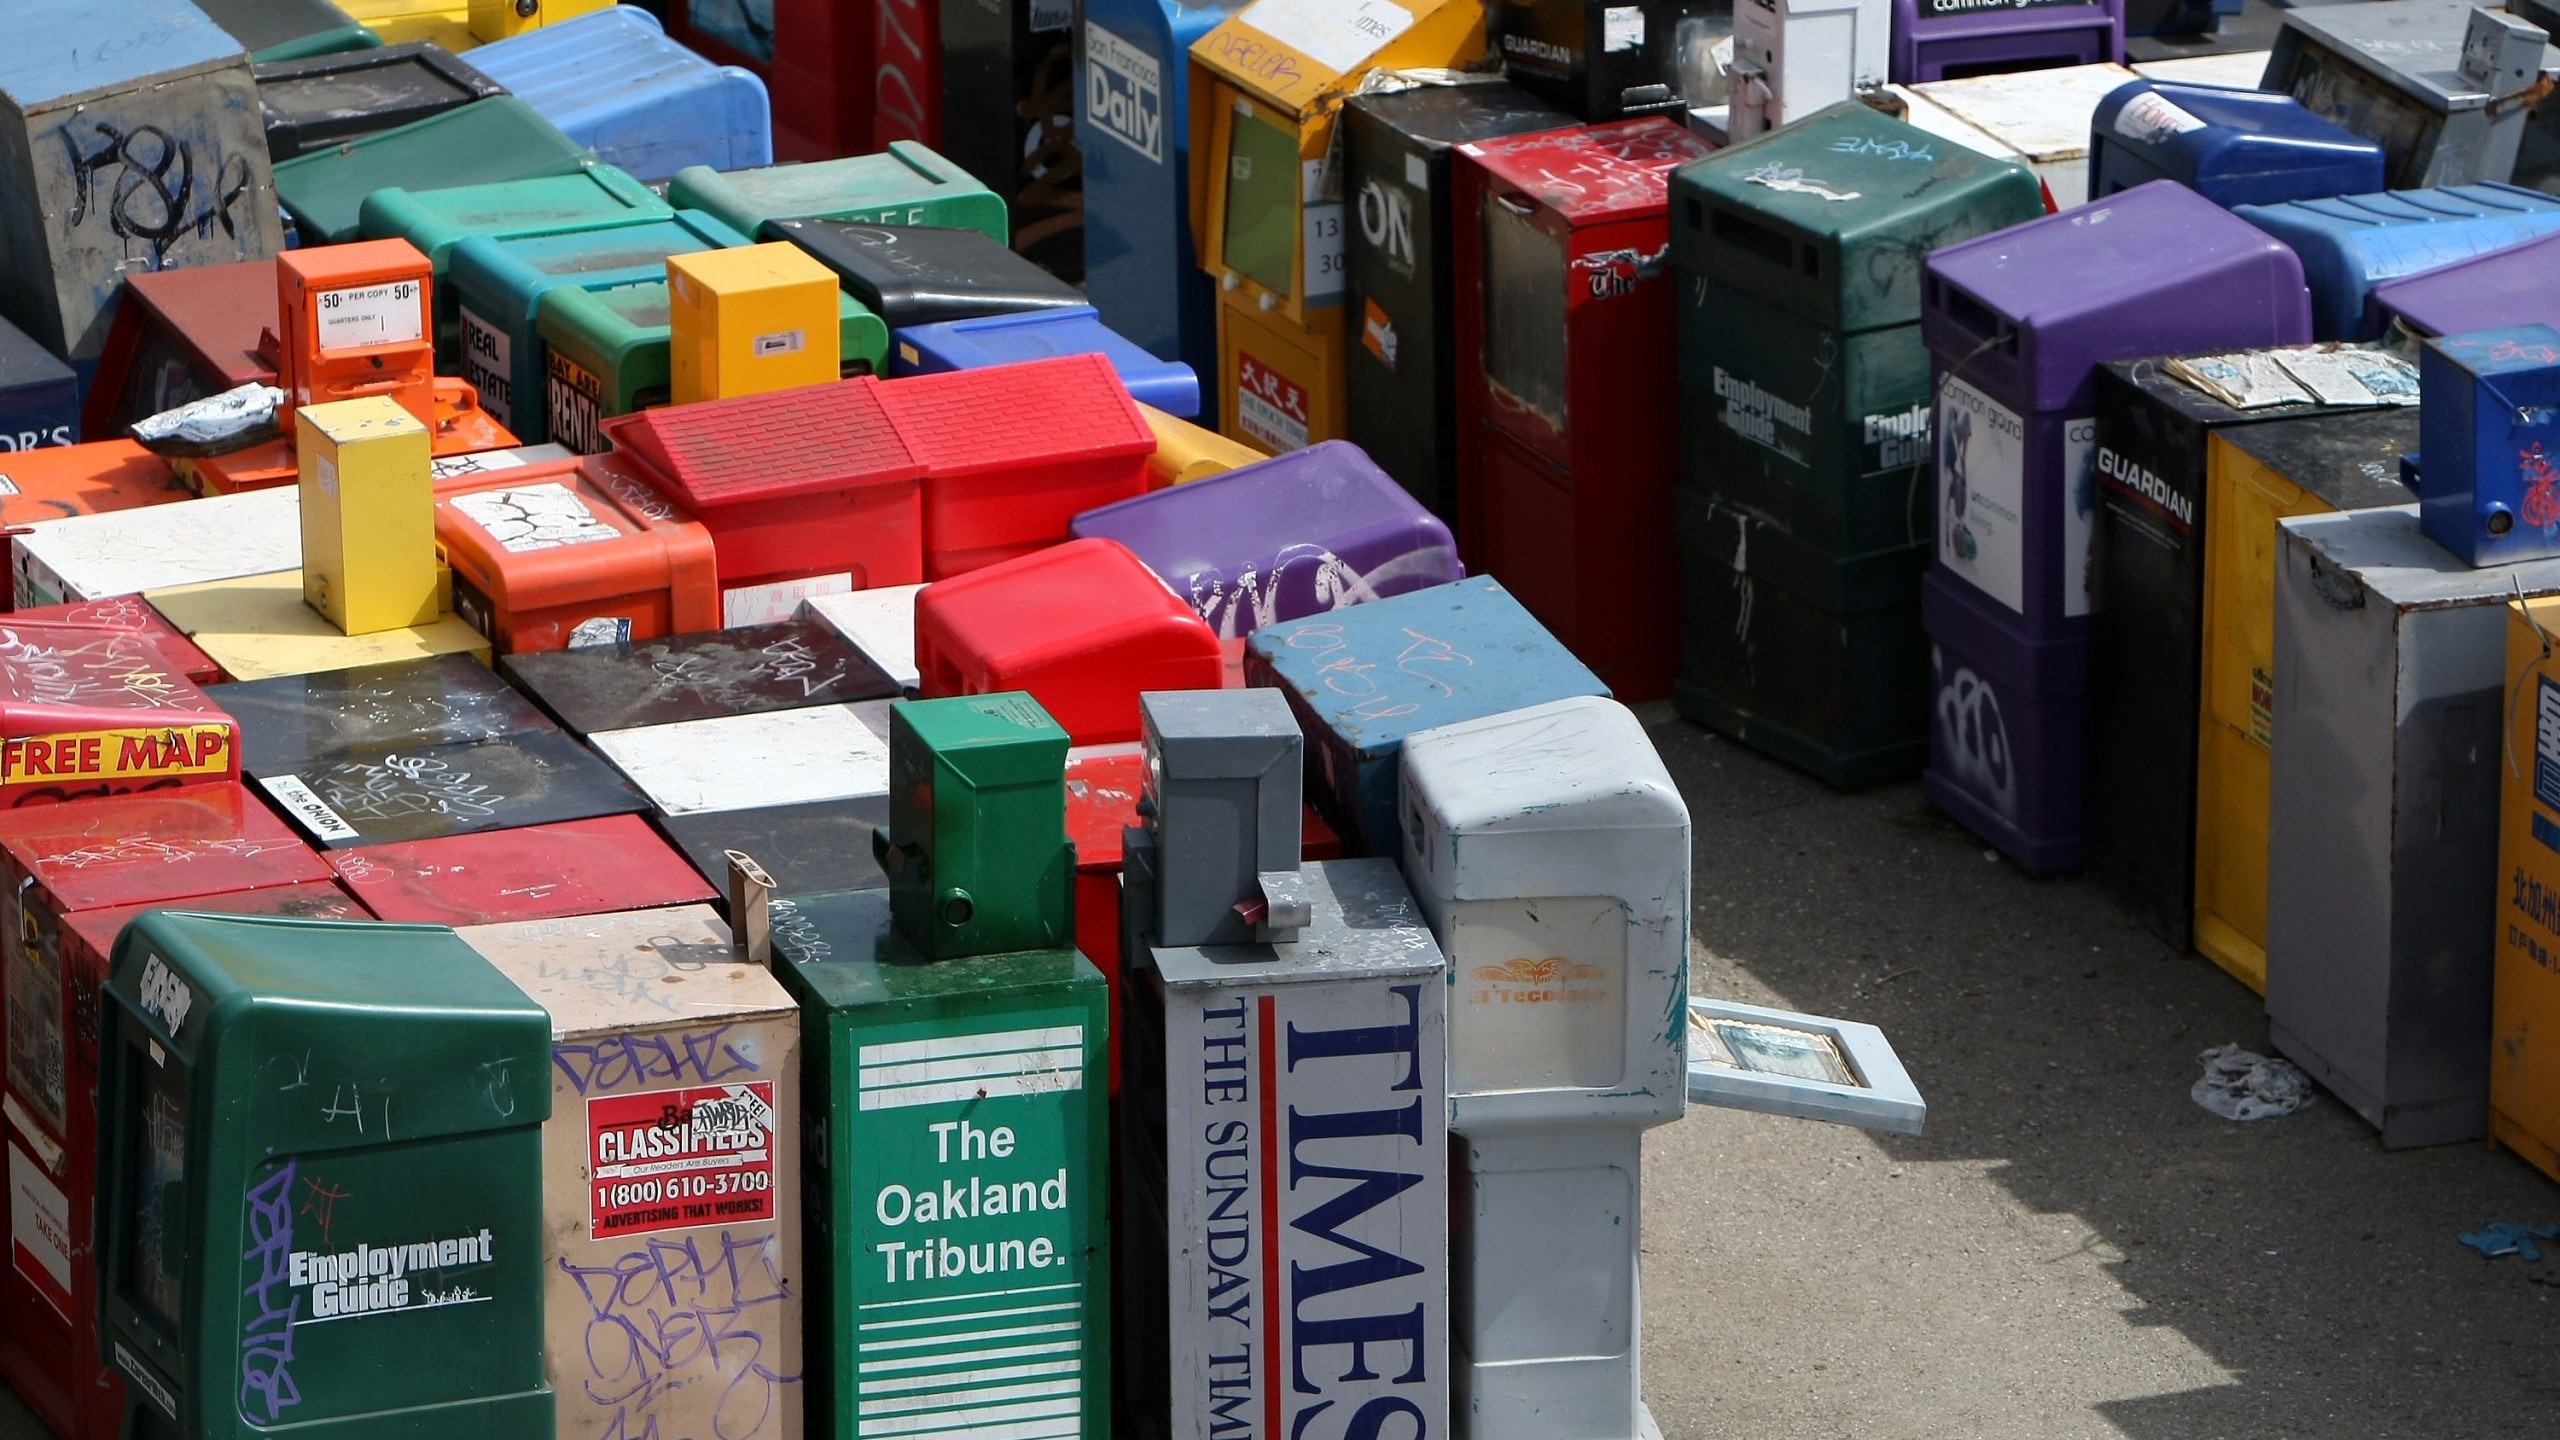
{"x": 1336, "y": 34}
{"x": 2153, "y": 118}
{"x": 391, "y": 313}
{"x": 1270, "y": 407}
{"x": 40, "y": 1231}
{"x": 1123, "y": 92}
{"x": 488, "y": 363}
{"x": 673, "y": 1159}
{"x": 1982, "y": 486}
{"x": 307, "y": 808}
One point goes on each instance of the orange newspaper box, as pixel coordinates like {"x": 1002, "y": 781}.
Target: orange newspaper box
{"x": 579, "y": 551}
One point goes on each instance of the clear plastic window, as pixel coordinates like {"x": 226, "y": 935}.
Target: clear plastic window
{"x": 1524, "y": 303}
{"x": 155, "y": 1246}
{"x": 1262, "y": 204}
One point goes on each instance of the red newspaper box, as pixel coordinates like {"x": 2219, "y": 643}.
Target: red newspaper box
{"x": 1083, "y": 626}
{"x": 541, "y": 872}
{"x": 88, "y": 710}
{"x": 573, "y": 551}
{"x": 60, "y": 862}
{"x": 805, "y": 492}
{"x": 1568, "y": 417}
{"x": 1012, "y": 453}
{"x": 180, "y": 335}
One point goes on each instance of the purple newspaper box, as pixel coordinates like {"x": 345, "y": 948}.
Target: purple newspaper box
{"x": 2506, "y": 287}
{"x": 1306, "y": 532}
{"x": 2016, "y": 323}
{"x": 1950, "y": 39}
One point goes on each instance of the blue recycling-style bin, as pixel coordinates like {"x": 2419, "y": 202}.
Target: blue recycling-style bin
{"x": 2233, "y": 147}
{"x": 613, "y": 82}
{"x": 1360, "y": 680}
{"x": 1168, "y": 385}
{"x": 39, "y": 400}
{"x": 1133, "y": 127}
{"x": 2351, "y": 243}
{"x": 2489, "y": 438}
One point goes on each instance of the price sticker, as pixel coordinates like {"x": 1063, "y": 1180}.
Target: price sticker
{"x": 387, "y": 314}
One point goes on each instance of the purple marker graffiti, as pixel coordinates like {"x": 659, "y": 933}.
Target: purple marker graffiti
{"x": 266, "y": 1334}
{"x": 697, "y": 1057}
{"x": 676, "y": 1313}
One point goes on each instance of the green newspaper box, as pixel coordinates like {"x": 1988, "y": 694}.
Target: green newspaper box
{"x": 320, "y": 1192}
{"x": 605, "y": 353}
{"x": 956, "y": 1192}
{"x": 976, "y": 846}
{"x": 482, "y": 143}
{"x": 906, "y": 184}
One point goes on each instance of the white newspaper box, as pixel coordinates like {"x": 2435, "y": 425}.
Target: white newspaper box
{"x": 1549, "y": 850}
{"x": 1793, "y": 57}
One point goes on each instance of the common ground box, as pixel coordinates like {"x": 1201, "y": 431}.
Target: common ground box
{"x": 671, "y": 1175}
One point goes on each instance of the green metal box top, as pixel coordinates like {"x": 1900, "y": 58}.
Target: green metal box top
{"x": 976, "y": 847}
{"x": 309, "y": 1122}
{"x": 905, "y": 185}
{"x": 1832, "y": 216}
{"x": 591, "y": 197}
{"x": 841, "y": 952}
{"x": 482, "y": 143}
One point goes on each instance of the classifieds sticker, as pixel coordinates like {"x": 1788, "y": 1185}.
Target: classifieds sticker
{"x": 672, "y": 1159}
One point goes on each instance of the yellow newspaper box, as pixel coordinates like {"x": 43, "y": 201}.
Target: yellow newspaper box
{"x": 748, "y": 320}
{"x": 1267, "y": 87}
{"x": 2524, "y": 1056}
{"x": 368, "y": 514}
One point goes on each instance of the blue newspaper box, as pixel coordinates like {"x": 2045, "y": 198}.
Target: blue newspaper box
{"x": 2351, "y": 243}
{"x": 1360, "y": 680}
{"x": 39, "y": 401}
{"x": 1168, "y": 385}
{"x": 2233, "y": 147}
{"x": 2489, "y": 431}
{"x": 614, "y": 82}
{"x": 1133, "y": 127}
{"x": 498, "y": 285}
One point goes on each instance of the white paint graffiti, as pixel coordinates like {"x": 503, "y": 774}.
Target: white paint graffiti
{"x": 1972, "y": 739}
{"x": 1307, "y": 579}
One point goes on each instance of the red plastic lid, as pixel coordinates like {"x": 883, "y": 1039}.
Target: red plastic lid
{"x": 317, "y": 900}
{"x": 1102, "y": 796}
{"x": 1085, "y": 596}
{"x": 85, "y": 709}
{"x": 1600, "y": 172}
{"x": 134, "y": 615}
{"x": 156, "y": 847}
{"x": 782, "y": 443}
{"x": 1009, "y": 417}
{"x": 539, "y": 872}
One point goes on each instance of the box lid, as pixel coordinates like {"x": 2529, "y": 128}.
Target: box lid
{"x": 111, "y": 47}
{"x": 771, "y": 757}
{"x": 1432, "y": 118}
{"x": 2506, "y": 286}
{"x": 2155, "y": 270}
{"x": 2381, "y": 552}
{"x": 738, "y": 671}
{"x": 156, "y": 847}
{"x": 55, "y": 481}
{"x": 257, "y": 626}
{"x": 496, "y": 139}
{"x": 2415, "y": 46}
{"x": 419, "y": 792}
{"x": 510, "y": 272}
{"x": 1618, "y": 171}
{"x": 1364, "y": 926}
{"x": 903, "y": 176}
{"x": 309, "y": 900}
{"x": 925, "y": 274}
{"x": 537, "y": 872}
{"x": 590, "y": 195}
{"x": 126, "y": 552}
{"x": 328, "y": 98}
{"x": 1297, "y": 52}
{"x": 603, "y": 973}
{"x": 2213, "y": 132}
{"x": 844, "y": 954}
{"x": 808, "y": 847}
{"x": 2041, "y": 114}
{"x": 1424, "y": 659}
{"x": 1833, "y": 215}
{"x": 957, "y": 422}
{"x": 759, "y": 448}
{"x": 879, "y": 622}
{"x": 293, "y": 721}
